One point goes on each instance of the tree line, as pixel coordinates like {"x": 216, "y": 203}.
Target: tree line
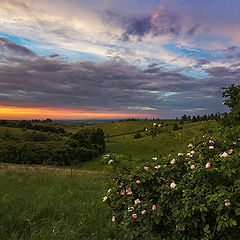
{"x": 79, "y": 147}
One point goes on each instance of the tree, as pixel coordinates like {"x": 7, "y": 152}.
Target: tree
{"x": 232, "y": 93}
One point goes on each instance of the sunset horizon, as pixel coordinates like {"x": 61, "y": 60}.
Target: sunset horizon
{"x": 110, "y": 59}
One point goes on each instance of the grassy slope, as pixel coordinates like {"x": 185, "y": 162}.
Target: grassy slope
{"x": 39, "y": 203}
{"x": 146, "y": 147}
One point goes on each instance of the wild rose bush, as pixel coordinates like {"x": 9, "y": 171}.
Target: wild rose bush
{"x": 193, "y": 195}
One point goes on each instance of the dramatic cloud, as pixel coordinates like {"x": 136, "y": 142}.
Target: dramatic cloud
{"x": 156, "y": 56}
{"x": 111, "y": 84}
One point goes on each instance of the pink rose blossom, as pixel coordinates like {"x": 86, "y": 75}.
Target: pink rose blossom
{"x": 173, "y": 185}
{"x": 159, "y": 125}
{"x": 190, "y": 145}
{"x": 224, "y": 155}
{"x": 230, "y": 151}
{"x": 227, "y": 202}
{"x": 158, "y": 166}
{"x": 154, "y": 124}
{"x": 180, "y": 154}
{"x": 154, "y": 207}
{"x": 129, "y": 191}
{"x": 134, "y": 215}
{"x": 138, "y": 181}
{"x": 144, "y": 212}
{"x": 122, "y": 192}
{"x": 192, "y": 152}
{"x": 211, "y": 147}
{"x": 146, "y": 168}
{"x": 193, "y": 166}
{"x": 137, "y": 201}
{"x": 105, "y": 198}
{"x": 173, "y": 161}
{"x": 208, "y": 165}
{"x": 113, "y": 219}
{"x": 130, "y": 209}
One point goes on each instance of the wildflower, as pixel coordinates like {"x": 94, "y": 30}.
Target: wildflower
{"x": 211, "y": 147}
{"x": 129, "y": 191}
{"x": 189, "y": 154}
{"x": 113, "y": 219}
{"x": 146, "y": 168}
{"x": 192, "y": 152}
{"x": 158, "y": 166}
{"x": 138, "y": 181}
{"x": 159, "y": 125}
{"x": 173, "y": 161}
{"x": 137, "y": 201}
{"x": 154, "y": 124}
{"x": 122, "y": 192}
{"x": 173, "y": 185}
{"x": 107, "y": 156}
{"x": 234, "y": 143}
{"x": 109, "y": 190}
{"x": 134, "y": 215}
{"x": 224, "y": 155}
{"x": 180, "y": 154}
{"x": 154, "y": 207}
{"x": 192, "y": 167}
{"x": 208, "y": 165}
{"x": 230, "y": 151}
{"x": 146, "y": 129}
{"x": 130, "y": 209}
{"x": 110, "y": 161}
{"x": 105, "y": 198}
{"x": 190, "y": 145}
{"x": 227, "y": 202}
{"x": 154, "y": 158}
{"x": 144, "y": 212}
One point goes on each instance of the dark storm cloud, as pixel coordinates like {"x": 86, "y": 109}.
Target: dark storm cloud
{"x": 202, "y": 61}
{"x": 112, "y": 84}
{"x": 54, "y": 55}
{"x": 9, "y": 47}
{"x": 161, "y": 23}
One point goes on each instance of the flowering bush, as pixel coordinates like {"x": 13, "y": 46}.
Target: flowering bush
{"x": 194, "y": 195}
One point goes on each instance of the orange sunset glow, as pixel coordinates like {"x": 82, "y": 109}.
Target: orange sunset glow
{"x": 18, "y": 113}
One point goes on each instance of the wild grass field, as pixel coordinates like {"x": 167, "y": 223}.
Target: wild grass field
{"x": 52, "y": 203}
{"x": 66, "y": 203}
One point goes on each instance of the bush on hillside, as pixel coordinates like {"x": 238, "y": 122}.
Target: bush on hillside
{"x": 195, "y": 195}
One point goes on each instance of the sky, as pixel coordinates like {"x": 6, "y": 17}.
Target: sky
{"x": 78, "y": 59}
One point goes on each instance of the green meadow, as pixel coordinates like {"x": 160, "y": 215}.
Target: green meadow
{"x": 39, "y": 202}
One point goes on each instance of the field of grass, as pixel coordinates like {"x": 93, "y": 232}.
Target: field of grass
{"x": 42, "y": 203}
{"x": 147, "y": 147}
{"x": 66, "y": 203}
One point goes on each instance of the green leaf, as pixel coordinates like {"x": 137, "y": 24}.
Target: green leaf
{"x": 237, "y": 211}
{"x": 206, "y": 228}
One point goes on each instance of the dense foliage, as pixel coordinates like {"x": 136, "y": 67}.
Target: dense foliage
{"x": 192, "y": 195}
{"x": 81, "y": 146}
{"x": 29, "y": 125}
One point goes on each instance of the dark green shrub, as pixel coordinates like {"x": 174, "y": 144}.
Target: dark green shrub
{"x": 137, "y": 135}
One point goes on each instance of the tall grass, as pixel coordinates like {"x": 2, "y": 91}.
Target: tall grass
{"x": 39, "y": 203}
